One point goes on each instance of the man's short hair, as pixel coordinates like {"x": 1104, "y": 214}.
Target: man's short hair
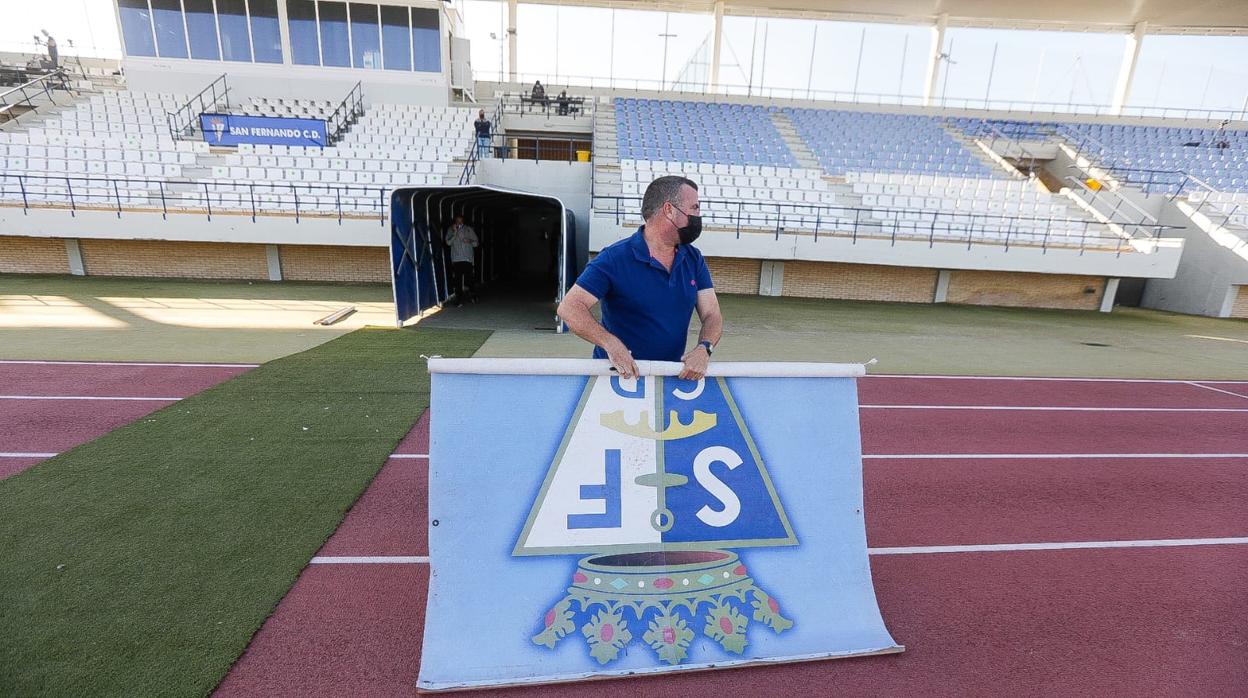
{"x": 661, "y": 191}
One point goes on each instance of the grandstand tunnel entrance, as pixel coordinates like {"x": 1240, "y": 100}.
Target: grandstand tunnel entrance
{"x": 524, "y": 263}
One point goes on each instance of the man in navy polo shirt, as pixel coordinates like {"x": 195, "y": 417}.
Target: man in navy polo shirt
{"x": 649, "y": 285}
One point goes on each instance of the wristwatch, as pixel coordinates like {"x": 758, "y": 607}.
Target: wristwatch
{"x": 710, "y": 348}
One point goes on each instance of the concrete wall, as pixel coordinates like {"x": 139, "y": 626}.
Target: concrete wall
{"x": 194, "y": 260}
{"x": 193, "y": 227}
{"x": 1214, "y": 260}
{"x": 286, "y": 81}
{"x": 568, "y": 181}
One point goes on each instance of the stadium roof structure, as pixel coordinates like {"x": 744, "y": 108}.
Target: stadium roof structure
{"x": 1215, "y": 17}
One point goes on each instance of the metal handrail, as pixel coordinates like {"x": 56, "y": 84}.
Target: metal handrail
{"x": 138, "y": 194}
{"x": 502, "y": 149}
{"x": 578, "y": 105}
{"x": 857, "y": 221}
{"x": 45, "y": 85}
{"x": 1015, "y": 140}
{"x": 474, "y": 155}
{"x": 350, "y": 109}
{"x": 183, "y": 120}
{"x": 1146, "y": 218}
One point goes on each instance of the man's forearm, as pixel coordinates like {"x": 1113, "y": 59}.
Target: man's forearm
{"x": 583, "y": 325}
{"x": 712, "y": 329}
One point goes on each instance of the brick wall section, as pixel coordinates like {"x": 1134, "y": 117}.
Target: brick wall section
{"x": 863, "y": 282}
{"x": 1239, "y": 308}
{"x": 24, "y": 255}
{"x": 734, "y": 275}
{"x": 335, "y": 263}
{"x": 160, "y": 258}
{"x": 1025, "y": 290}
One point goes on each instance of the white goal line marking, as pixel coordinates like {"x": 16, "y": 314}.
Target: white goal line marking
{"x": 15, "y": 454}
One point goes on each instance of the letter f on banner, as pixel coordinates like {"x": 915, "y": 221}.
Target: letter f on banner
{"x": 608, "y": 493}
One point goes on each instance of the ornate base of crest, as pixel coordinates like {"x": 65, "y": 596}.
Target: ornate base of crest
{"x": 665, "y": 598}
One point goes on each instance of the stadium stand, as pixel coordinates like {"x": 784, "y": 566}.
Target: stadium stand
{"x": 116, "y": 149}
{"x": 886, "y": 174}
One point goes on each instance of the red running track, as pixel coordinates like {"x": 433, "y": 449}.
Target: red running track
{"x": 1098, "y": 393}
{"x": 1120, "y": 621}
{"x": 56, "y": 425}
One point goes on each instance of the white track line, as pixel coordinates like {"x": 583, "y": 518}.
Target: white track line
{"x": 88, "y": 397}
{"x": 1043, "y": 456}
{"x": 1059, "y": 380}
{"x": 1024, "y": 408}
{"x": 13, "y": 454}
{"x": 904, "y": 550}
{"x": 408, "y": 456}
{"x": 1074, "y": 545}
{"x": 372, "y": 560}
{"x": 1216, "y": 390}
{"x": 121, "y": 363}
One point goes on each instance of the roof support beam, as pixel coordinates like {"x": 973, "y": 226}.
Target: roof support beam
{"x": 717, "y": 39}
{"x": 511, "y": 39}
{"x": 1126, "y": 72}
{"x": 934, "y": 58}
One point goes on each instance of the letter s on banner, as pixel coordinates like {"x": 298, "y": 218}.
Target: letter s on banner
{"x": 716, "y": 487}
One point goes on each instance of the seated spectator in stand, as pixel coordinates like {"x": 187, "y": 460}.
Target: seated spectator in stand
{"x": 538, "y": 95}
{"x": 482, "y": 126}
{"x": 563, "y": 103}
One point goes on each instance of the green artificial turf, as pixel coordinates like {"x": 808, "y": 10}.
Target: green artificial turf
{"x": 142, "y": 563}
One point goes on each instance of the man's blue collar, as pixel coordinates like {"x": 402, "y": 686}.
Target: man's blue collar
{"x": 642, "y": 251}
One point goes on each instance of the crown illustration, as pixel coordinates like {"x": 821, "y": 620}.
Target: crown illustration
{"x": 701, "y": 422}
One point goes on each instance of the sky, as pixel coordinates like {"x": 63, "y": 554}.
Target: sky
{"x": 559, "y": 42}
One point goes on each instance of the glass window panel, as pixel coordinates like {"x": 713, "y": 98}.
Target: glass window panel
{"x": 365, "y": 36}
{"x": 235, "y": 39}
{"x": 266, "y": 39}
{"x": 136, "y": 27}
{"x": 396, "y": 40}
{"x": 201, "y": 23}
{"x": 335, "y": 49}
{"x": 426, "y": 40}
{"x": 170, "y": 31}
{"x": 301, "y": 21}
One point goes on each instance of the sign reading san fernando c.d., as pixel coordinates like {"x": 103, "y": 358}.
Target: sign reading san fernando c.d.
{"x": 235, "y": 129}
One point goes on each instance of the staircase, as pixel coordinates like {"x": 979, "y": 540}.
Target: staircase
{"x": 805, "y": 156}
{"x": 606, "y": 180}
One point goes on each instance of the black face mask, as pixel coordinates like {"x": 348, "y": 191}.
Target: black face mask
{"x": 690, "y": 230}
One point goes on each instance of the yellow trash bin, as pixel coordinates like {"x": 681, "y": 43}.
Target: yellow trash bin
{"x": 582, "y": 156}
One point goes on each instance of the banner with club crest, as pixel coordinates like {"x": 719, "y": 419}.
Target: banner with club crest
{"x": 582, "y": 525}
